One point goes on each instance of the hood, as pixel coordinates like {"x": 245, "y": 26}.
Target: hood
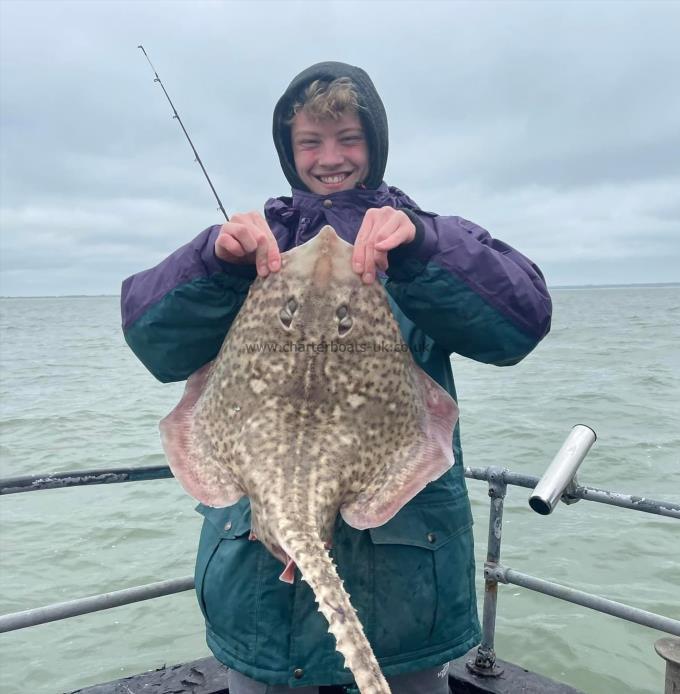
{"x": 372, "y": 115}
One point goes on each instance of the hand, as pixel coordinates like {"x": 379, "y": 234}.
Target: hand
{"x": 381, "y": 230}
{"x": 247, "y": 238}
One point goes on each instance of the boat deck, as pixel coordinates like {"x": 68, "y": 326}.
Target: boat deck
{"x": 208, "y": 676}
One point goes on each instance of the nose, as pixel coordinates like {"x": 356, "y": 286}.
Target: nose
{"x": 330, "y": 154}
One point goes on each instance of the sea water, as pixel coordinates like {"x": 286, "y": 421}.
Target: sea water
{"x": 73, "y": 397}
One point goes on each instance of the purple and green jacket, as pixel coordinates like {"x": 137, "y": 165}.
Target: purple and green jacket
{"x": 453, "y": 289}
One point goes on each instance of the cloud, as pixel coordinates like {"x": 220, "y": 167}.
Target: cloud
{"x": 553, "y": 125}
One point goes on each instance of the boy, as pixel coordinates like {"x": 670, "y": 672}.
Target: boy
{"x": 452, "y": 288}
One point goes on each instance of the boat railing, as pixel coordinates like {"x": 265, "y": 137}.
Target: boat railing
{"x": 559, "y": 482}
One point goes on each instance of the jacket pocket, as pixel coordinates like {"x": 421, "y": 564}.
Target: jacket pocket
{"x": 456, "y": 619}
{"x": 411, "y": 552}
{"x": 225, "y": 576}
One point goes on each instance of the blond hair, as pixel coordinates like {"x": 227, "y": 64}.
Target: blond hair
{"x": 323, "y": 100}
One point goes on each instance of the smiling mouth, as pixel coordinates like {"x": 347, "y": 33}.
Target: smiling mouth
{"x": 334, "y": 179}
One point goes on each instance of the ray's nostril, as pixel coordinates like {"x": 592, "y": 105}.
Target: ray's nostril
{"x": 286, "y": 317}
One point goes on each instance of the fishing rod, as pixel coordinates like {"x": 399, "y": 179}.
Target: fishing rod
{"x": 176, "y": 115}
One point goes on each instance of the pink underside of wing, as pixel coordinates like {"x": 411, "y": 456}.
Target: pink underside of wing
{"x": 288, "y": 575}
{"x": 177, "y": 444}
{"x": 432, "y": 458}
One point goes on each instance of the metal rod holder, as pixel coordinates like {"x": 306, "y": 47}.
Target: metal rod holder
{"x": 562, "y": 470}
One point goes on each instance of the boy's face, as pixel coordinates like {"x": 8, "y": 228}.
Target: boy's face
{"x": 330, "y": 155}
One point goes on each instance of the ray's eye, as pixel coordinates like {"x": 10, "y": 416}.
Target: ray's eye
{"x": 286, "y": 313}
{"x": 344, "y": 320}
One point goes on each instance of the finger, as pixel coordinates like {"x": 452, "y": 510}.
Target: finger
{"x": 392, "y": 241}
{"x": 369, "y": 262}
{"x": 359, "y": 253}
{"x": 273, "y": 255}
{"x": 236, "y": 232}
{"x": 244, "y": 235}
{"x": 392, "y": 234}
{"x": 258, "y": 221}
{"x": 236, "y": 218}
{"x": 229, "y": 244}
{"x": 261, "y": 256}
{"x": 376, "y": 258}
{"x": 381, "y": 260}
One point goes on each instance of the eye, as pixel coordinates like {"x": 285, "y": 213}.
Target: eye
{"x": 342, "y": 311}
{"x": 286, "y": 313}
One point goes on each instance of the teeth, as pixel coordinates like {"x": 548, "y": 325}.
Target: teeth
{"x": 333, "y": 179}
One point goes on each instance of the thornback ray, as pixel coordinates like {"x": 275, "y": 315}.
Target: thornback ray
{"x": 313, "y": 407}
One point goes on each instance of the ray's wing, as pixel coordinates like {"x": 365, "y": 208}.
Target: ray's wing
{"x": 418, "y": 450}
{"x": 226, "y": 421}
{"x": 203, "y": 466}
{"x": 206, "y": 436}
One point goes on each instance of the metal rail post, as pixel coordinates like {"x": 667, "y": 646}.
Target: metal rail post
{"x": 485, "y": 662}
{"x": 669, "y": 650}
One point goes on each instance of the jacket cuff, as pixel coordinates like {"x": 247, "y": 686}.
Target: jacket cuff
{"x": 407, "y": 260}
{"x": 214, "y": 264}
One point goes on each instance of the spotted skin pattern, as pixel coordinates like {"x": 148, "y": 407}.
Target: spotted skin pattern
{"x": 313, "y": 407}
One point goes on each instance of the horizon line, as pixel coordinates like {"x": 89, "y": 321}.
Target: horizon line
{"x": 609, "y": 285}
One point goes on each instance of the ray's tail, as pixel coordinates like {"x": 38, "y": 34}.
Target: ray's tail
{"x": 318, "y": 570}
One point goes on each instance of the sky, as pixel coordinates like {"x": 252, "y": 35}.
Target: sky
{"x": 555, "y": 126}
